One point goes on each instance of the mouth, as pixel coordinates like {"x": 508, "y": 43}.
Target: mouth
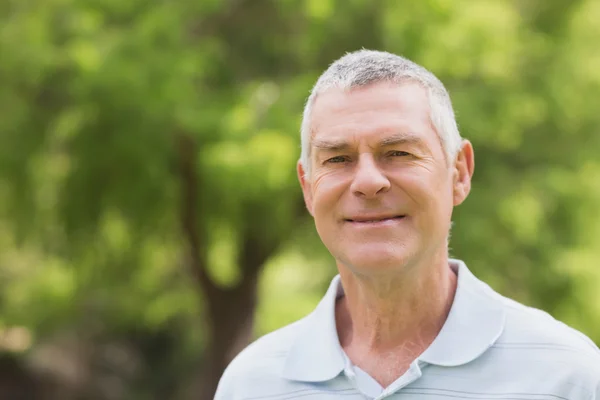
{"x": 374, "y": 219}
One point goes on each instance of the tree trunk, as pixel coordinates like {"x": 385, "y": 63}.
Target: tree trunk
{"x": 230, "y": 310}
{"x": 231, "y": 324}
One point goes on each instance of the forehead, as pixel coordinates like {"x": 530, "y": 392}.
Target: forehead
{"x": 372, "y": 110}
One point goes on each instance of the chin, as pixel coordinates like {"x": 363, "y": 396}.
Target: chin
{"x": 374, "y": 259}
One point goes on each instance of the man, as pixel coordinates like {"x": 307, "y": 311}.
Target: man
{"x": 382, "y": 167}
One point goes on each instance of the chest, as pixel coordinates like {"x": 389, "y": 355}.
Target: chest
{"x": 383, "y": 368}
{"x": 435, "y": 383}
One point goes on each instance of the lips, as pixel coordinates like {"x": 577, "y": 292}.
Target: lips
{"x": 374, "y": 219}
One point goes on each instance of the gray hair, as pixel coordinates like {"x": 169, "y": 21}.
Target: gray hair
{"x": 365, "y": 67}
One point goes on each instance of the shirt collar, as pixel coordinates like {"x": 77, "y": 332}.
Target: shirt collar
{"x": 475, "y": 322}
{"x": 316, "y": 355}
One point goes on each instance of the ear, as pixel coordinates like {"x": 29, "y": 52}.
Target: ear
{"x": 306, "y": 187}
{"x": 464, "y": 167}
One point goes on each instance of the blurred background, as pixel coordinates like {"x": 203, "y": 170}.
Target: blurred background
{"x": 151, "y": 224}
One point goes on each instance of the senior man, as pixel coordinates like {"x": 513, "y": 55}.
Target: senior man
{"x": 382, "y": 167}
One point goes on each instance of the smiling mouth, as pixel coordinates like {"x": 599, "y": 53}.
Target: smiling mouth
{"x": 375, "y": 220}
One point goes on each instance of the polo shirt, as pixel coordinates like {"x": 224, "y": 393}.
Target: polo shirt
{"x": 490, "y": 347}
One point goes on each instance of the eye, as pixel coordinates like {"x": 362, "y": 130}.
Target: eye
{"x": 398, "y": 153}
{"x": 337, "y": 160}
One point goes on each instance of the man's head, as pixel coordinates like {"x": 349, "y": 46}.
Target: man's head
{"x": 382, "y": 162}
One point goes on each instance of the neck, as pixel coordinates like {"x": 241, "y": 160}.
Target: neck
{"x": 397, "y": 315}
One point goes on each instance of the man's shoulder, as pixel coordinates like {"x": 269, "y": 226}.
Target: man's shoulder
{"x": 275, "y": 344}
{"x": 262, "y": 360}
{"x": 526, "y": 324}
{"x": 536, "y": 353}
{"x": 531, "y": 333}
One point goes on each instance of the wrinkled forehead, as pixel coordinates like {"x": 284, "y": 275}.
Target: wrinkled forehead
{"x": 375, "y": 110}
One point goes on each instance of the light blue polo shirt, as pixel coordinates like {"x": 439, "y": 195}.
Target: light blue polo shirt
{"x": 490, "y": 347}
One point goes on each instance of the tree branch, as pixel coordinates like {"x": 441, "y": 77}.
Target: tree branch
{"x": 187, "y": 151}
{"x": 255, "y": 248}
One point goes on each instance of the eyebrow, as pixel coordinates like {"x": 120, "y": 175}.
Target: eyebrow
{"x": 330, "y": 145}
{"x": 340, "y": 145}
{"x": 401, "y": 138}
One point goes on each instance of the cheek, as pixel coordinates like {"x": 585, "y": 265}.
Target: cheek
{"x": 327, "y": 189}
{"x": 429, "y": 192}
{"x": 441, "y": 200}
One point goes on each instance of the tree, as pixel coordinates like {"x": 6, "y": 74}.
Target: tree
{"x": 148, "y": 157}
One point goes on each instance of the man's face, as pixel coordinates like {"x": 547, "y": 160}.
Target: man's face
{"x": 380, "y": 190}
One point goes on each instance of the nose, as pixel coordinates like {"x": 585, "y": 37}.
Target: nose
{"x": 369, "y": 181}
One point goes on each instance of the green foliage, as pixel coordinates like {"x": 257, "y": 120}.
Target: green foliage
{"x": 94, "y": 95}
